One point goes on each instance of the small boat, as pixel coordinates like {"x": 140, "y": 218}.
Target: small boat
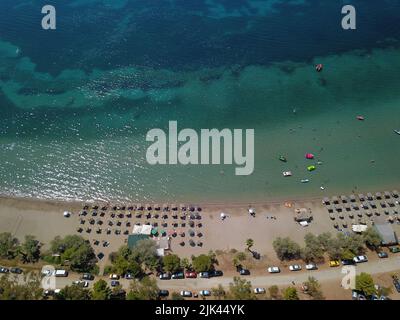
{"x": 287, "y": 173}
{"x": 309, "y": 156}
{"x": 397, "y": 131}
{"x": 319, "y": 67}
{"x": 304, "y": 180}
{"x": 311, "y": 168}
{"x": 283, "y": 158}
{"x": 361, "y": 118}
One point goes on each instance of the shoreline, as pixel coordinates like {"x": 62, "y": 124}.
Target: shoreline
{"x": 20, "y": 201}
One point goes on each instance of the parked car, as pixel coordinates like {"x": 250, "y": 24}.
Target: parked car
{"x": 244, "y": 272}
{"x": 191, "y": 274}
{"x": 396, "y": 283}
{"x": 205, "y": 293}
{"x": 81, "y": 283}
{"x": 178, "y": 275}
{"x": 129, "y": 276}
{"x": 382, "y": 254}
{"x": 347, "y": 262}
{"x": 274, "y": 270}
{"x": 114, "y": 276}
{"x": 205, "y": 275}
{"x": 16, "y": 270}
{"x": 259, "y": 290}
{"x": 165, "y": 276}
{"x": 354, "y": 295}
{"x": 46, "y": 272}
{"x": 360, "y": 259}
{"x": 163, "y": 293}
{"x": 216, "y": 273}
{"x": 311, "y": 266}
{"x": 395, "y": 249}
{"x": 87, "y": 276}
{"x": 114, "y": 283}
{"x": 294, "y": 267}
{"x": 186, "y": 294}
{"x": 4, "y": 270}
{"x": 48, "y": 293}
{"x": 334, "y": 263}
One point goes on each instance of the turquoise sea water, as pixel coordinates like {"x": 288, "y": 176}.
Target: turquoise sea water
{"x": 76, "y": 103}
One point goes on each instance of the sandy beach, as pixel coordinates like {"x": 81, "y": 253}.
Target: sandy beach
{"x": 45, "y": 220}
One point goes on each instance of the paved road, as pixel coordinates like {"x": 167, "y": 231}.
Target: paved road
{"x": 331, "y": 274}
{"x": 380, "y": 266}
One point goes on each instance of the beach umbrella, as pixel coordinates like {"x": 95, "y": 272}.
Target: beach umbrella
{"x": 182, "y": 243}
{"x": 192, "y": 243}
{"x": 172, "y": 233}
{"x": 309, "y": 156}
{"x": 154, "y": 231}
{"x": 223, "y": 215}
{"x": 252, "y": 211}
{"x": 191, "y": 233}
{"x": 199, "y": 244}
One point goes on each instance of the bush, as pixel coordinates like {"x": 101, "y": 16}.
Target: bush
{"x": 290, "y": 294}
{"x": 8, "y": 246}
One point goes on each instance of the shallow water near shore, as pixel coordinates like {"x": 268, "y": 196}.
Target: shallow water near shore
{"x": 76, "y": 129}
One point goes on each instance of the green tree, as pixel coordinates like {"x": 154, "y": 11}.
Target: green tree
{"x": 202, "y": 263}
{"x": 8, "y": 246}
{"x": 274, "y": 293}
{"x": 240, "y": 289}
{"x": 219, "y": 292}
{"x": 76, "y": 250}
{"x": 347, "y": 255}
{"x": 101, "y": 291}
{"x": 146, "y": 289}
{"x": 30, "y": 249}
{"x": 334, "y": 249}
{"x": 74, "y": 292}
{"x": 313, "y": 289}
{"x": 172, "y": 263}
{"x": 123, "y": 266}
{"x": 313, "y": 250}
{"x": 249, "y": 244}
{"x": 353, "y": 243}
{"x": 185, "y": 264}
{"x": 372, "y": 238}
{"x": 145, "y": 253}
{"x": 365, "y": 284}
{"x": 286, "y": 249}
{"x": 290, "y": 293}
{"x": 324, "y": 240}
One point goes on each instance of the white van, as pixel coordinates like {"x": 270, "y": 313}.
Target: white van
{"x": 61, "y": 273}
